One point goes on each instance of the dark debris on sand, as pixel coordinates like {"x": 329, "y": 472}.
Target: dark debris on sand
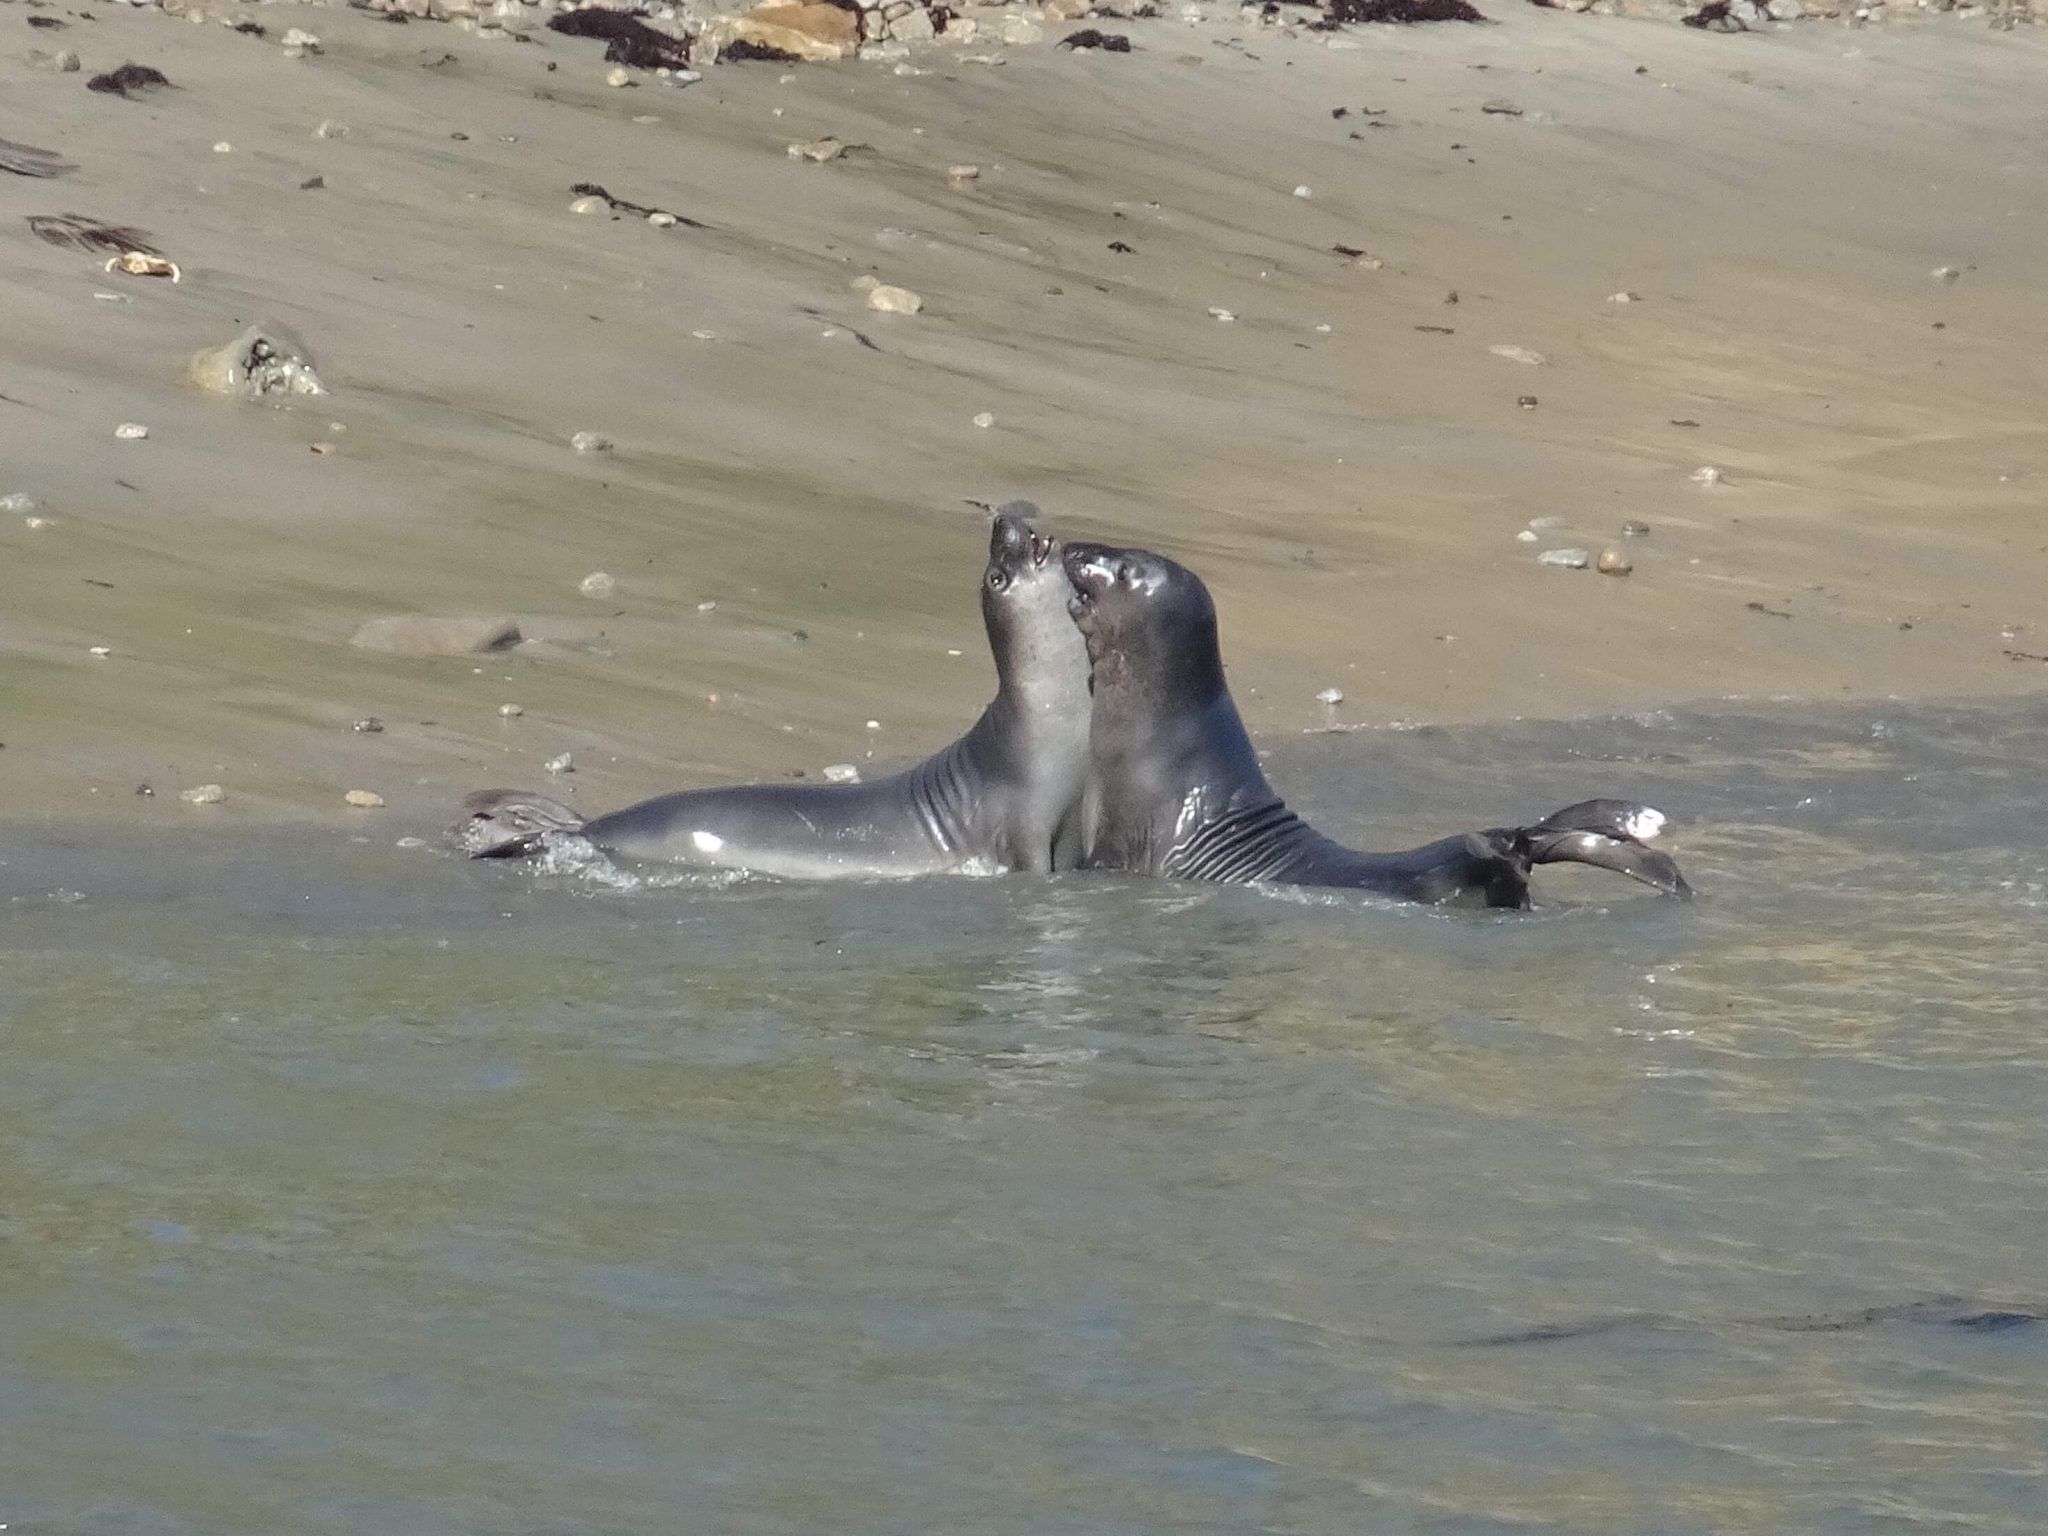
{"x": 80, "y": 233}
{"x": 129, "y": 77}
{"x": 27, "y": 160}
{"x": 1341, "y": 13}
{"x": 745, "y": 48}
{"x": 628, "y": 39}
{"x": 1091, "y": 37}
{"x": 638, "y": 210}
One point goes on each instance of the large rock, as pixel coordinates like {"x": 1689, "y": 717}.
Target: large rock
{"x": 819, "y": 33}
{"x": 419, "y": 634}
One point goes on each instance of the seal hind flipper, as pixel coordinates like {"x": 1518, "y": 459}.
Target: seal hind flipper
{"x": 510, "y": 823}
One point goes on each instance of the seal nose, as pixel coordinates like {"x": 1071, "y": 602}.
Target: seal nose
{"x": 1010, "y": 538}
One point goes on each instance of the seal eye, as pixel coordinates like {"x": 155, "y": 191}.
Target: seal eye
{"x": 998, "y": 578}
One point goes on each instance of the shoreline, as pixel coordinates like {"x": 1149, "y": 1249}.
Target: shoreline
{"x": 1776, "y": 204}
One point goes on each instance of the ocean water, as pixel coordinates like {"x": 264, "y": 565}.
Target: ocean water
{"x": 346, "y": 1188}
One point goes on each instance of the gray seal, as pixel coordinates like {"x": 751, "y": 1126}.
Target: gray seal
{"x": 1005, "y": 796}
{"x": 1175, "y": 789}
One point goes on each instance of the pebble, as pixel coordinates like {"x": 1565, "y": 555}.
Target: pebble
{"x": 1570, "y": 559}
{"x": 1330, "y": 696}
{"x": 985, "y": 419}
{"x": 874, "y": 725}
{"x": 369, "y": 725}
{"x": 1946, "y": 274}
{"x": 1614, "y": 563}
{"x": 618, "y": 75}
{"x": 597, "y": 584}
{"x": 131, "y": 431}
{"x": 330, "y": 129}
{"x": 894, "y": 301}
{"x": 1526, "y": 536}
{"x": 203, "y": 794}
{"x": 511, "y": 711}
{"x": 841, "y": 773}
{"x": 591, "y": 442}
{"x": 1623, "y": 297}
{"x": 364, "y": 799}
{"x": 223, "y": 148}
{"x": 419, "y": 634}
{"x": 661, "y": 220}
{"x": 1303, "y": 191}
{"x": 963, "y": 172}
{"x": 819, "y": 150}
{"x": 100, "y": 650}
{"x": 298, "y": 42}
{"x": 1519, "y": 355}
{"x": 558, "y": 765}
{"x": 17, "y": 501}
{"x": 1635, "y": 528}
{"x": 1220, "y": 315}
{"x": 590, "y": 205}
{"x": 1706, "y": 474}
{"x": 35, "y": 522}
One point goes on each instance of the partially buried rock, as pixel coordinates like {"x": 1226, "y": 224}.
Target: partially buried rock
{"x": 1614, "y": 563}
{"x": 263, "y": 360}
{"x": 894, "y": 301}
{"x": 203, "y": 794}
{"x": 419, "y": 634}
{"x": 1569, "y": 559}
{"x": 364, "y": 799}
{"x": 819, "y": 33}
{"x": 591, "y": 442}
{"x": 841, "y": 773}
{"x": 597, "y": 584}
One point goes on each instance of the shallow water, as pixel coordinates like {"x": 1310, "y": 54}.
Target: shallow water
{"x": 345, "y": 1188}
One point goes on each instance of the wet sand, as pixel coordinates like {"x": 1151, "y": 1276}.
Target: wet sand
{"x": 1778, "y": 203}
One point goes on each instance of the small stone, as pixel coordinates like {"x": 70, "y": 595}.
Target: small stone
{"x": 1500, "y": 107}
{"x": 1624, "y": 297}
{"x": 661, "y": 220}
{"x": 874, "y": 725}
{"x": 1220, "y": 315}
{"x": 223, "y": 148}
{"x": 1330, "y": 696}
{"x": 369, "y": 725}
{"x": 1526, "y": 536}
{"x": 597, "y": 584}
{"x": 1706, "y": 474}
{"x": 1635, "y": 528}
{"x": 590, "y": 205}
{"x": 203, "y": 794}
{"x": 364, "y": 799}
{"x": 511, "y": 711}
{"x": 1518, "y": 355}
{"x": 330, "y": 129}
{"x": 841, "y": 773}
{"x": 1614, "y": 563}
{"x": 1570, "y": 559}
{"x": 963, "y": 172}
{"x": 298, "y": 42}
{"x": 818, "y": 150}
{"x": 894, "y": 301}
{"x": 418, "y": 634}
{"x": 1526, "y": 402}
{"x": 1946, "y": 274}
{"x": 131, "y": 431}
{"x": 591, "y": 442}
{"x": 35, "y": 522}
{"x": 985, "y": 419}
{"x": 1303, "y": 191}
{"x": 560, "y": 765}
{"x": 618, "y": 75}
{"x": 100, "y": 650}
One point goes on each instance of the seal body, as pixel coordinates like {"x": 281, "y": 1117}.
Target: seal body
{"x": 1175, "y": 788}
{"x": 1005, "y": 796}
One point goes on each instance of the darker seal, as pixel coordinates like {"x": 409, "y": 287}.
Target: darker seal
{"x": 1005, "y": 796}
{"x": 1175, "y": 789}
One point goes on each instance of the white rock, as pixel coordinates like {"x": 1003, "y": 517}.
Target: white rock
{"x": 560, "y": 765}
{"x": 131, "y": 431}
{"x": 661, "y": 220}
{"x": 204, "y": 794}
{"x": 597, "y": 584}
{"x": 298, "y": 42}
{"x": 1624, "y": 297}
{"x": 1330, "y": 696}
{"x": 1303, "y": 191}
{"x": 1516, "y": 354}
{"x": 618, "y": 75}
{"x": 100, "y": 650}
{"x": 894, "y": 301}
{"x": 841, "y": 773}
{"x": 1220, "y": 314}
{"x": 963, "y": 172}
{"x": 590, "y": 205}
{"x": 511, "y": 711}
{"x": 591, "y": 442}
{"x": 364, "y": 799}
{"x": 1706, "y": 474}
{"x": 1526, "y": 536}
{"x": 985, "y": 419}
{"x": 223, "y": 148}
{"x": 1570, "y": 559}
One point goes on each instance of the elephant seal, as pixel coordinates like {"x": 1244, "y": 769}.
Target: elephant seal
{"x": 1006, "y": 796}
{"x": 1175, "y": 789}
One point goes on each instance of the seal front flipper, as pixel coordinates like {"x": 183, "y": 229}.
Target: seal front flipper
{"x": 1608, "y": 834}
{"x": 510, "y": 823}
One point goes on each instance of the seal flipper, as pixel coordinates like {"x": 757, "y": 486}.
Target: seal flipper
{"x": 1608, "y": 834}
{"x": 510, "y": 823}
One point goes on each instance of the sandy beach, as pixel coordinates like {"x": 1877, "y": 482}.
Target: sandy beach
{"x": 1835, "y": 243}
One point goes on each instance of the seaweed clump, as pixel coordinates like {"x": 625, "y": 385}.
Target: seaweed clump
{"x": 1338, "y": 13}
{"x": 628, "y": 40}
